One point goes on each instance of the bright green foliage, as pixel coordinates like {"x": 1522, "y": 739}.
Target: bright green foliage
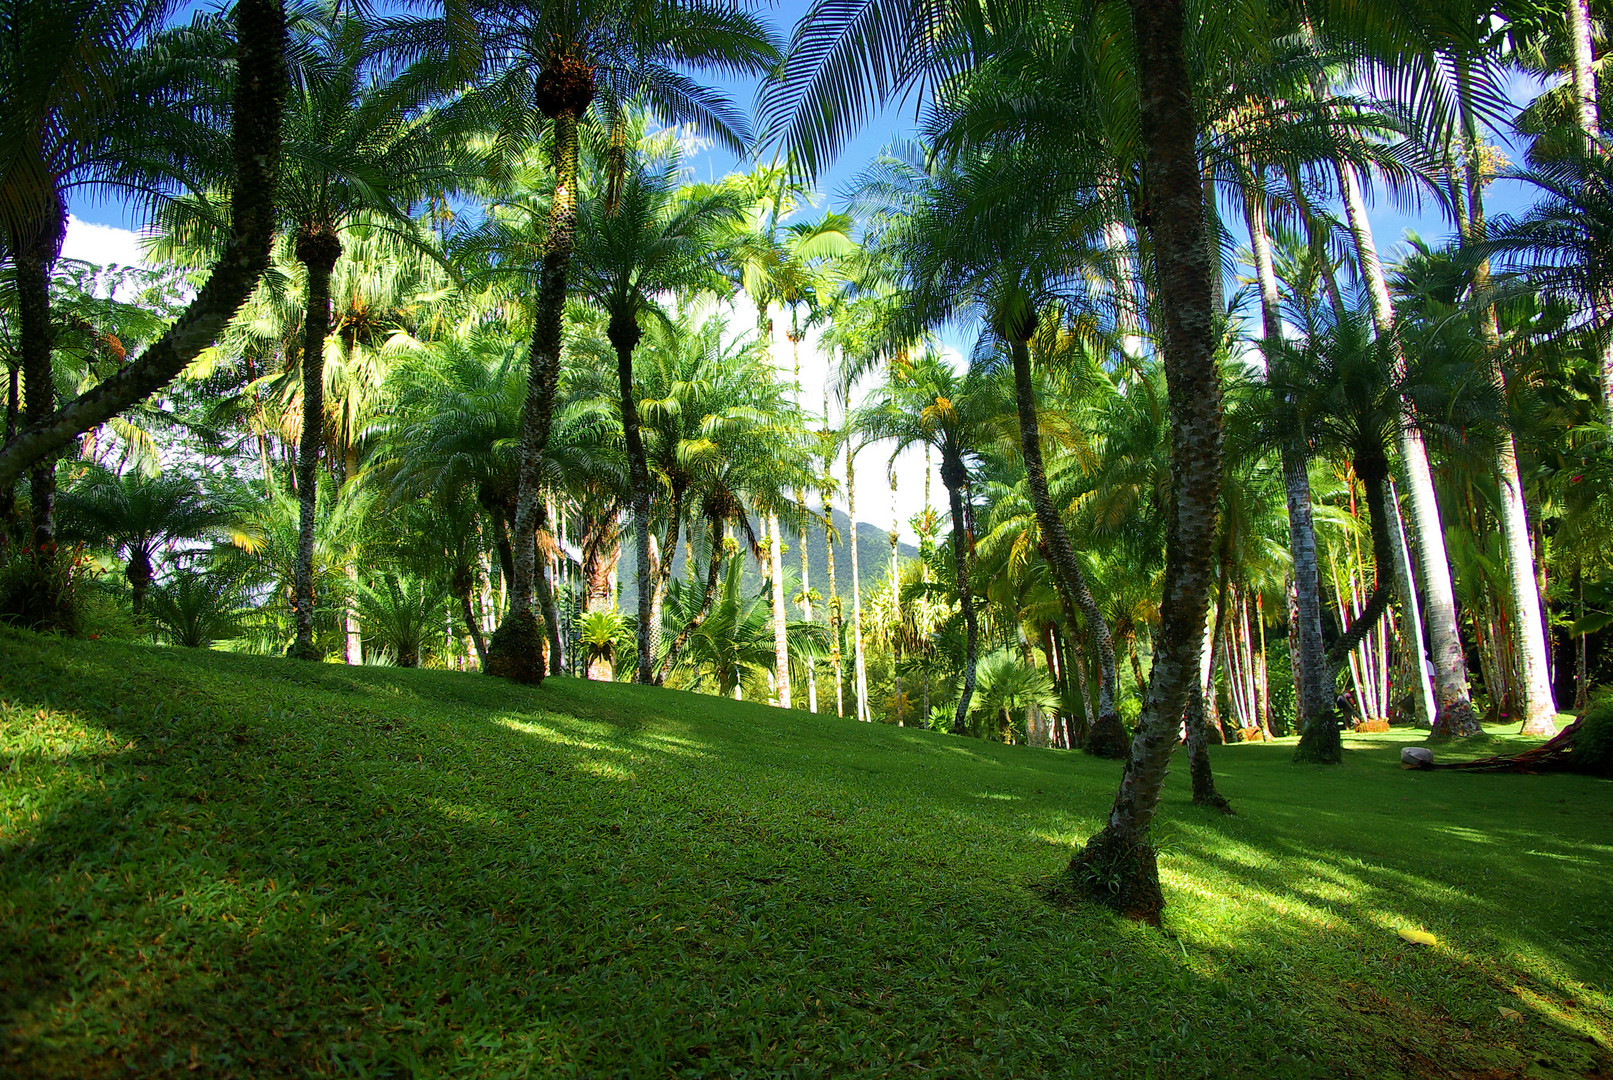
{"x": 263, "y": 869}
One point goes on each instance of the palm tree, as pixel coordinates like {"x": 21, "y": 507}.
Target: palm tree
{"x": 87, "y": 107}
{"x": 136, "y": 515}
{"x": 361, "y": 148}
{"x": 648, "y": 240}
{"x": 547, "y": 64}
{"x": 959, "y": 417}
{"x": 777, "y": 263}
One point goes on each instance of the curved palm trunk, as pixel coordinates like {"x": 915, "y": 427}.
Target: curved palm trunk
{"x": 1107, "y": 737}
{"x": 317, "y": 249}
{"x": 624, "y": 336}
{"x": 1118, "y": 867}
{"x": 1319, "y": 744}
{"x": 1538, "y": 705}
{"x": 707, "y": 600}
{"x": 466, "y": 581}
{"x": 1314, "y": 700}
{"x": 1411, "y": 629}
{"x": 515, "y": 652}
{"x": 1453, "y": 699}
{"x": 781, "y": 641}
{"x": 952, "y": 475}
{"x": 258, "y": 101}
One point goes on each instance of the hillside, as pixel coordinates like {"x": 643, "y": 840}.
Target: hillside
{"x": 873, "y": 558}
{"x": 226, "y": 866}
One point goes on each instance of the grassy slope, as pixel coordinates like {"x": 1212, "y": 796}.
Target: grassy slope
{"x": 230, "y": 866}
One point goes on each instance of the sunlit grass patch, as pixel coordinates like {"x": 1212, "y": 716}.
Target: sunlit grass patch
{"x": 229, "y": 866}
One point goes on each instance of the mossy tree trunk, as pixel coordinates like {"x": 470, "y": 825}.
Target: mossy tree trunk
{"x": 565, "y": 89}
{"x": 1118, "y": 867}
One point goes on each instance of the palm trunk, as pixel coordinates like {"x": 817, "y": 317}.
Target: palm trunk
{"x": 952, "y": 475}
{"x": 1454, "y": 705}
{"x": 1319, "y": 744}
{"x": 829, "y": 550}
{"x": 317, "y": 250}
{"x": 859, "y": 665}
{"x": 713, "y": 573}
{"x": 1411, "y": 629}
{"x": 1582, "y": 652}
{"x": 896, "y": 604}
{"x": 543, "y": 585}
{"x": 1118, "y": 867}
{"x": 1538, "y": 706}
{"x": 258, "y": 101}
{"x": 1314, "y": 698}
{"x": 1107, "y": 737}
{"x": 514, "y": 652}
{"x": 1196, "y": 728}
{"x": 33, "y": 257}
{"x": 468, "y": 614}
{"x": 781, "y": 640}
{"x": 624, "y": 336}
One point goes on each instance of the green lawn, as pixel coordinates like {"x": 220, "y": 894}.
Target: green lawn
{"x": 220, "y": 865}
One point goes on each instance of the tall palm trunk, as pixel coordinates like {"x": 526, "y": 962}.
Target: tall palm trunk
{"x": 1107, "y": 737}
{"x": 1411, "y": 627}
{"x": 1538, "y": 706}
{"x": 1315, "y": 697}
{"x": 515, "y": 651}
{"x": 781, "y": 640}
{"x": 543, "y": 587}
{"x": 859, "y": 662}
{"x": 1453, "y": 699}
{"x": 317, "y": 248}
{"x": 1196, "y": 727}
{"x": 896, "y": 602}
{"x": 829, "y": 550}
{"x": 1118, "y": 867}
{"x": 33, "y": 257}
{"x": 953, "y": 476}
{"x": 623, "y": 332}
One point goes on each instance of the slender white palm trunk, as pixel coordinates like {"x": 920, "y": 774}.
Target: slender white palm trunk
{"x": 1538, "y": 706}
{"x": 1454, "y": 706}
{"x": 781, "y": 641}
{"x": 1411, "y": 625}
{"x": 859, "y": 667}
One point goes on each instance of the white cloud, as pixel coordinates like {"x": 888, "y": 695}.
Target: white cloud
{"x": 102, "y": 244}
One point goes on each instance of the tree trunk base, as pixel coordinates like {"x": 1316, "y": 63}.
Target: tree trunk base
{"x": 1107, "y": 739}
{"x": 1456, "y": 720}
{"x": 304, "y": 651}
{"x": 1113, "y": 872}
{"x": 1321, "y": 743}
{"x": 1204, "y": 793}
{"x": 515, "y": 651}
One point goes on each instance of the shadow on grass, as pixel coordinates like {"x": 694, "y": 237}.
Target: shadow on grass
{"x": 234, "y": 867}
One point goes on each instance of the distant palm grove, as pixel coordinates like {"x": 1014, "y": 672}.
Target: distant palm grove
{"x": 441, "y": 355}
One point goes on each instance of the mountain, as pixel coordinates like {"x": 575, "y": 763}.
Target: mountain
{"x": 873, "y": 557}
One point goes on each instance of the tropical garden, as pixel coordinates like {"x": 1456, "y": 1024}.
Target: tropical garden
{"x": 441, "y": 355}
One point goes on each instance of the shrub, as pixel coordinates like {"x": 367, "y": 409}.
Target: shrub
{"x": 1593, "y": 746}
